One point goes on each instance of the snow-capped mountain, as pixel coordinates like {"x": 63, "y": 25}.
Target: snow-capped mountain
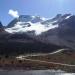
{"x": 30, "y": 23}
{"x": 38, "y": 34}
{"x": 59, "y": 30}
{"x": 37, "y": 24}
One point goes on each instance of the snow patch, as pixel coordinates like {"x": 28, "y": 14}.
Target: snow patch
{"x": 68, "y": 17}
{"x": 37, "y": 27}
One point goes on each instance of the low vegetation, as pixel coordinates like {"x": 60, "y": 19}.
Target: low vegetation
{"x": 27, "y": 63}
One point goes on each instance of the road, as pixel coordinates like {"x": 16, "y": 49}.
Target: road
{"x": 31, "y": 60}
{"x": 41, "y": 54}
{"x": 47, "y": 62}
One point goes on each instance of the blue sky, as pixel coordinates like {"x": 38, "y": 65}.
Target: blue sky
{"x": 45, "y": 8}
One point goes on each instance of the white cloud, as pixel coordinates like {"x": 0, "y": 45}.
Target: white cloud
{"x": 13, "y": 13}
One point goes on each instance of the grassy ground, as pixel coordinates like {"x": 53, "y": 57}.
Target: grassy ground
{"x": 11, "y": 62}
{"x": 58, "y": 57}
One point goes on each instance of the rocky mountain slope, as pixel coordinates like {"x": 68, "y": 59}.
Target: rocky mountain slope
{"x": 38, "y": 34}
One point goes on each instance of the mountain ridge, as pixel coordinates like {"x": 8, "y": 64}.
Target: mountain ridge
{"x": 42, "y": 33}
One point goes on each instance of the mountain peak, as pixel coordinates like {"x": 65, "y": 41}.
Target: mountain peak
{"x": 1, "y": 26}
{"x": 27, "y": 23}
{"x": 37, "y": 24}
{"x": 29, "y": 18}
